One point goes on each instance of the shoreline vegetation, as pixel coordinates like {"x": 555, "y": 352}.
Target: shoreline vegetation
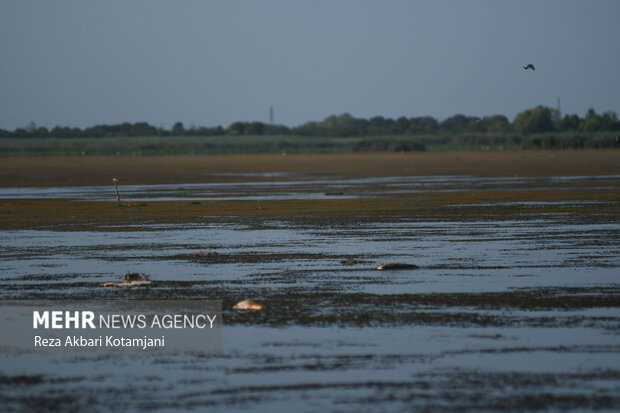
{"x": 537, "y": 128}
{"x": 282, "y": 144}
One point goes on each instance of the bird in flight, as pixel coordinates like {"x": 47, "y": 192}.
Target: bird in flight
{"x": 529, "y": 66}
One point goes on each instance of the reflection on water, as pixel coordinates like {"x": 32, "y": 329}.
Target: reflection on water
{"x": 500, "y": 315}
{"x": 303, "y": 187}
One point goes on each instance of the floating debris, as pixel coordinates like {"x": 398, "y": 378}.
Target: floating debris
{"x": 353, "y": 261}
{"x": 131, "y": 280}
{"x": 397, "y": 266}
{"x": 249, "y": 305}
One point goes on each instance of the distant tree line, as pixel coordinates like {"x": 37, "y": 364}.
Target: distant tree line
{"x": 540, "y": 119}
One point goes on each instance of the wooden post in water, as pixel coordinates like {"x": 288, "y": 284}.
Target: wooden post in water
{"x": 118, "y": 198}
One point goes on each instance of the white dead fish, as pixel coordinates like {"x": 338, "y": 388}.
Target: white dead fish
{"x": 249, "y": 305}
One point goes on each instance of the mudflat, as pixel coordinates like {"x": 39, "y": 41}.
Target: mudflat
{"x": 70, "y": 171}
{"x": 336, "y": 187}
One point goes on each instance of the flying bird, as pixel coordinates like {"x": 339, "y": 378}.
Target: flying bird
{"x": 529, "y": 66}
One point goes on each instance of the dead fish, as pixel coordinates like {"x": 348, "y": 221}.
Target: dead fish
{"x": 135, "y": 276}
{"x": 397, "y": 266}
{"x": 131, "y": 280}
{"x": 248, "y": 305}
{"x": 127, "y": 284}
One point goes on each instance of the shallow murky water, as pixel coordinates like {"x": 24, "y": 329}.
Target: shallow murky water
{"x": 515, "y": 314}
{"x": 299, "y": 187}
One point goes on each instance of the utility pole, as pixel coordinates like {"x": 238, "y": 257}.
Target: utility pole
{"x": 271, "y": 114}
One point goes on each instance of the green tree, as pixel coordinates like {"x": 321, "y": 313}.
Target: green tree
{"x": 31, "y": 127}
{"x": 537, "y": 120}
{"x": 42, "y": 132}
{"x": 254, "y": 128}
{"x": 400, "y": 126}
{"x": 142, "y": 129}
{"x": 380, "y": 125}
{"x": 237, "y": 128}
{"x": 569, "y": 123}
{"x": 178, "y": 129}
{"x": 495, "y": 124}
{"x": 592, "y": 122}
{"x": 423, "y": 124}
{"x": 455, "y": 124}
{"x": 307, "y": 129}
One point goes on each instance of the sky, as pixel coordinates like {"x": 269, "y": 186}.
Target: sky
{"x": 80, "y": 63}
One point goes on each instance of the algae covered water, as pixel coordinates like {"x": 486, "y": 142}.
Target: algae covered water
{"x": 512, "y": 304}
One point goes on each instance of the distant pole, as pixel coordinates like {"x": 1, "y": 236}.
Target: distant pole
{"x": 271, "y": 114}
{"x": 118, "y": 198}
{"x": 559, "y": 112}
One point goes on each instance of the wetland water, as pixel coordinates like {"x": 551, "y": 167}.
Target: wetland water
{"x": 517, "y": 310}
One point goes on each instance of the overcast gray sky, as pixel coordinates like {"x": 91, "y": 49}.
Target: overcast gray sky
{"x": 206, "y": 63}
